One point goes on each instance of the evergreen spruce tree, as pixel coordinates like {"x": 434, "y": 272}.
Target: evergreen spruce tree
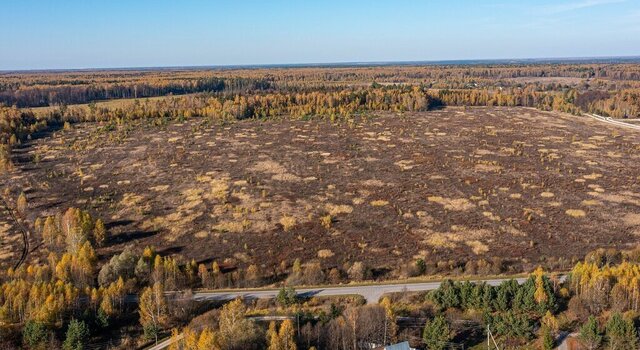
{"x": 77, "y": 335}
{"x": 590, "y": 334}
{"x": 621, "y": 334}
{"x": 548, "y": 342}
{"x": 35, "y": 335}
{"x": 436, "y": 333}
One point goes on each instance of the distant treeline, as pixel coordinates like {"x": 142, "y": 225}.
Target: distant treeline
{"x": 36, "y": 89}
{"x": 53, "y": 95}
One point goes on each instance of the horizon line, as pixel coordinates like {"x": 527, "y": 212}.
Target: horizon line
{"x": 470, "y": 61}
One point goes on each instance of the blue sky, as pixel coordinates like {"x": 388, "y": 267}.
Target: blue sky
{"x": 143, "y": 33}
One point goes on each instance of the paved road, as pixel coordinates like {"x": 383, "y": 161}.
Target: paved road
{"x": 612, "y": 121}
{"x": 166, "y": 343}
{"x": 372, "y": 293}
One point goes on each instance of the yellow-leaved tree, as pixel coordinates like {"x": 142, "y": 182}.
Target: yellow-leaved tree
{"x": 287, "y": 336}
{"x": 153, "y": 310}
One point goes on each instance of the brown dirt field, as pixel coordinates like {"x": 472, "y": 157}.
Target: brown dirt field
{"x": 448, "y": 184}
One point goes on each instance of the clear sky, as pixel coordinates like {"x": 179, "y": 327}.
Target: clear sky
{"x": 39, "y": 34}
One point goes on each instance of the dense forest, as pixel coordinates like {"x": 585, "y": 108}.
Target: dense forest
{"x": 610, "y": 89}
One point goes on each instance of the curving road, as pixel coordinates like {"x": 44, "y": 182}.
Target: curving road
{"x": 372, "y": 293}
{"x": 612, "y": 121}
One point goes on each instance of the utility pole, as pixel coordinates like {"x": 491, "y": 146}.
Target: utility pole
{"x": 491, "y": 338}
{"x": 298, "y": 322}
{"x": 384, "y": 339}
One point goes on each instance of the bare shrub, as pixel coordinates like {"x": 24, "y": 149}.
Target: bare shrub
{"x": 358, "y": 272}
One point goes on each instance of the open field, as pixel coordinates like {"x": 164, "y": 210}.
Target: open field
{"x": 452, "y": 184}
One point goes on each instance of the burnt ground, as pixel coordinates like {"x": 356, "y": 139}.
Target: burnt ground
{"x": 452, "y": 184}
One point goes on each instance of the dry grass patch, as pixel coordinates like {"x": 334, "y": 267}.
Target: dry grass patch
{"x": 285, "y": 177}
{"x": 201, "y": 234}
{"x": 631, "y": 219}
{"x": 592, "y": 176}
{"x": 326, "y": 221}
{"x": 625, "y": 197}
{"x": 488, "y": 168}
{"x": 130, "y": 200}
{"x": 425, "y": 219}
{"x": 232, "y": 226}
{"x": 491, "y": 216}
{"x": 372, "y": 183}
{"x": 510, "y": 230}
{"x": 278, "y": 172}
{"x": 287, "y": 222}
{"x": 483, "y": 152}
{"x": 590, "y": 202}
{"x": 219, "y": 189}
{"x": 576, "y": 213}
{"x": 454, "y": 204}
{"x": 477, "y": 247}
{"x": 154, "y": 223}
{"x": 404, "y": 164}
{"x": 160, "y": 188}
{"x": 325, "y": 253}
{"x": 440, "y": 240}
{"x": 334, "y": 209}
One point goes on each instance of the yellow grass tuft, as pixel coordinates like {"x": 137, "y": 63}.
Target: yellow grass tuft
{"x": 231, "y": 226}
{"x": 590, "y": 202}
{"x": 379, "y": 203}
{"x": 219, "y": 189}
{"x": 325, "y": 253}
{"x": 287, "y": 222}
{"x": 130, "y": 200}
{"x": 334, "y": 209}
{"x": 631, "y": 219}
{"x": 326, "y": 220}
{"x": 592, "y": 176}
{"x": 576, "y": 213}
{"x": 455, "y": 204}
{"x": 477, "y": 247}
{"x": 442, "y": 240}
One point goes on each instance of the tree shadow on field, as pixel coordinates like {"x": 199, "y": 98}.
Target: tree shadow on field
{"x": 20, "y": 152}
{"x": 127, "y": 237}
{"x": 118, "y": 223}
{"x": 47, "y": 206}
{"x": 378, "y": 273}
{"x": 170, "y": 250}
